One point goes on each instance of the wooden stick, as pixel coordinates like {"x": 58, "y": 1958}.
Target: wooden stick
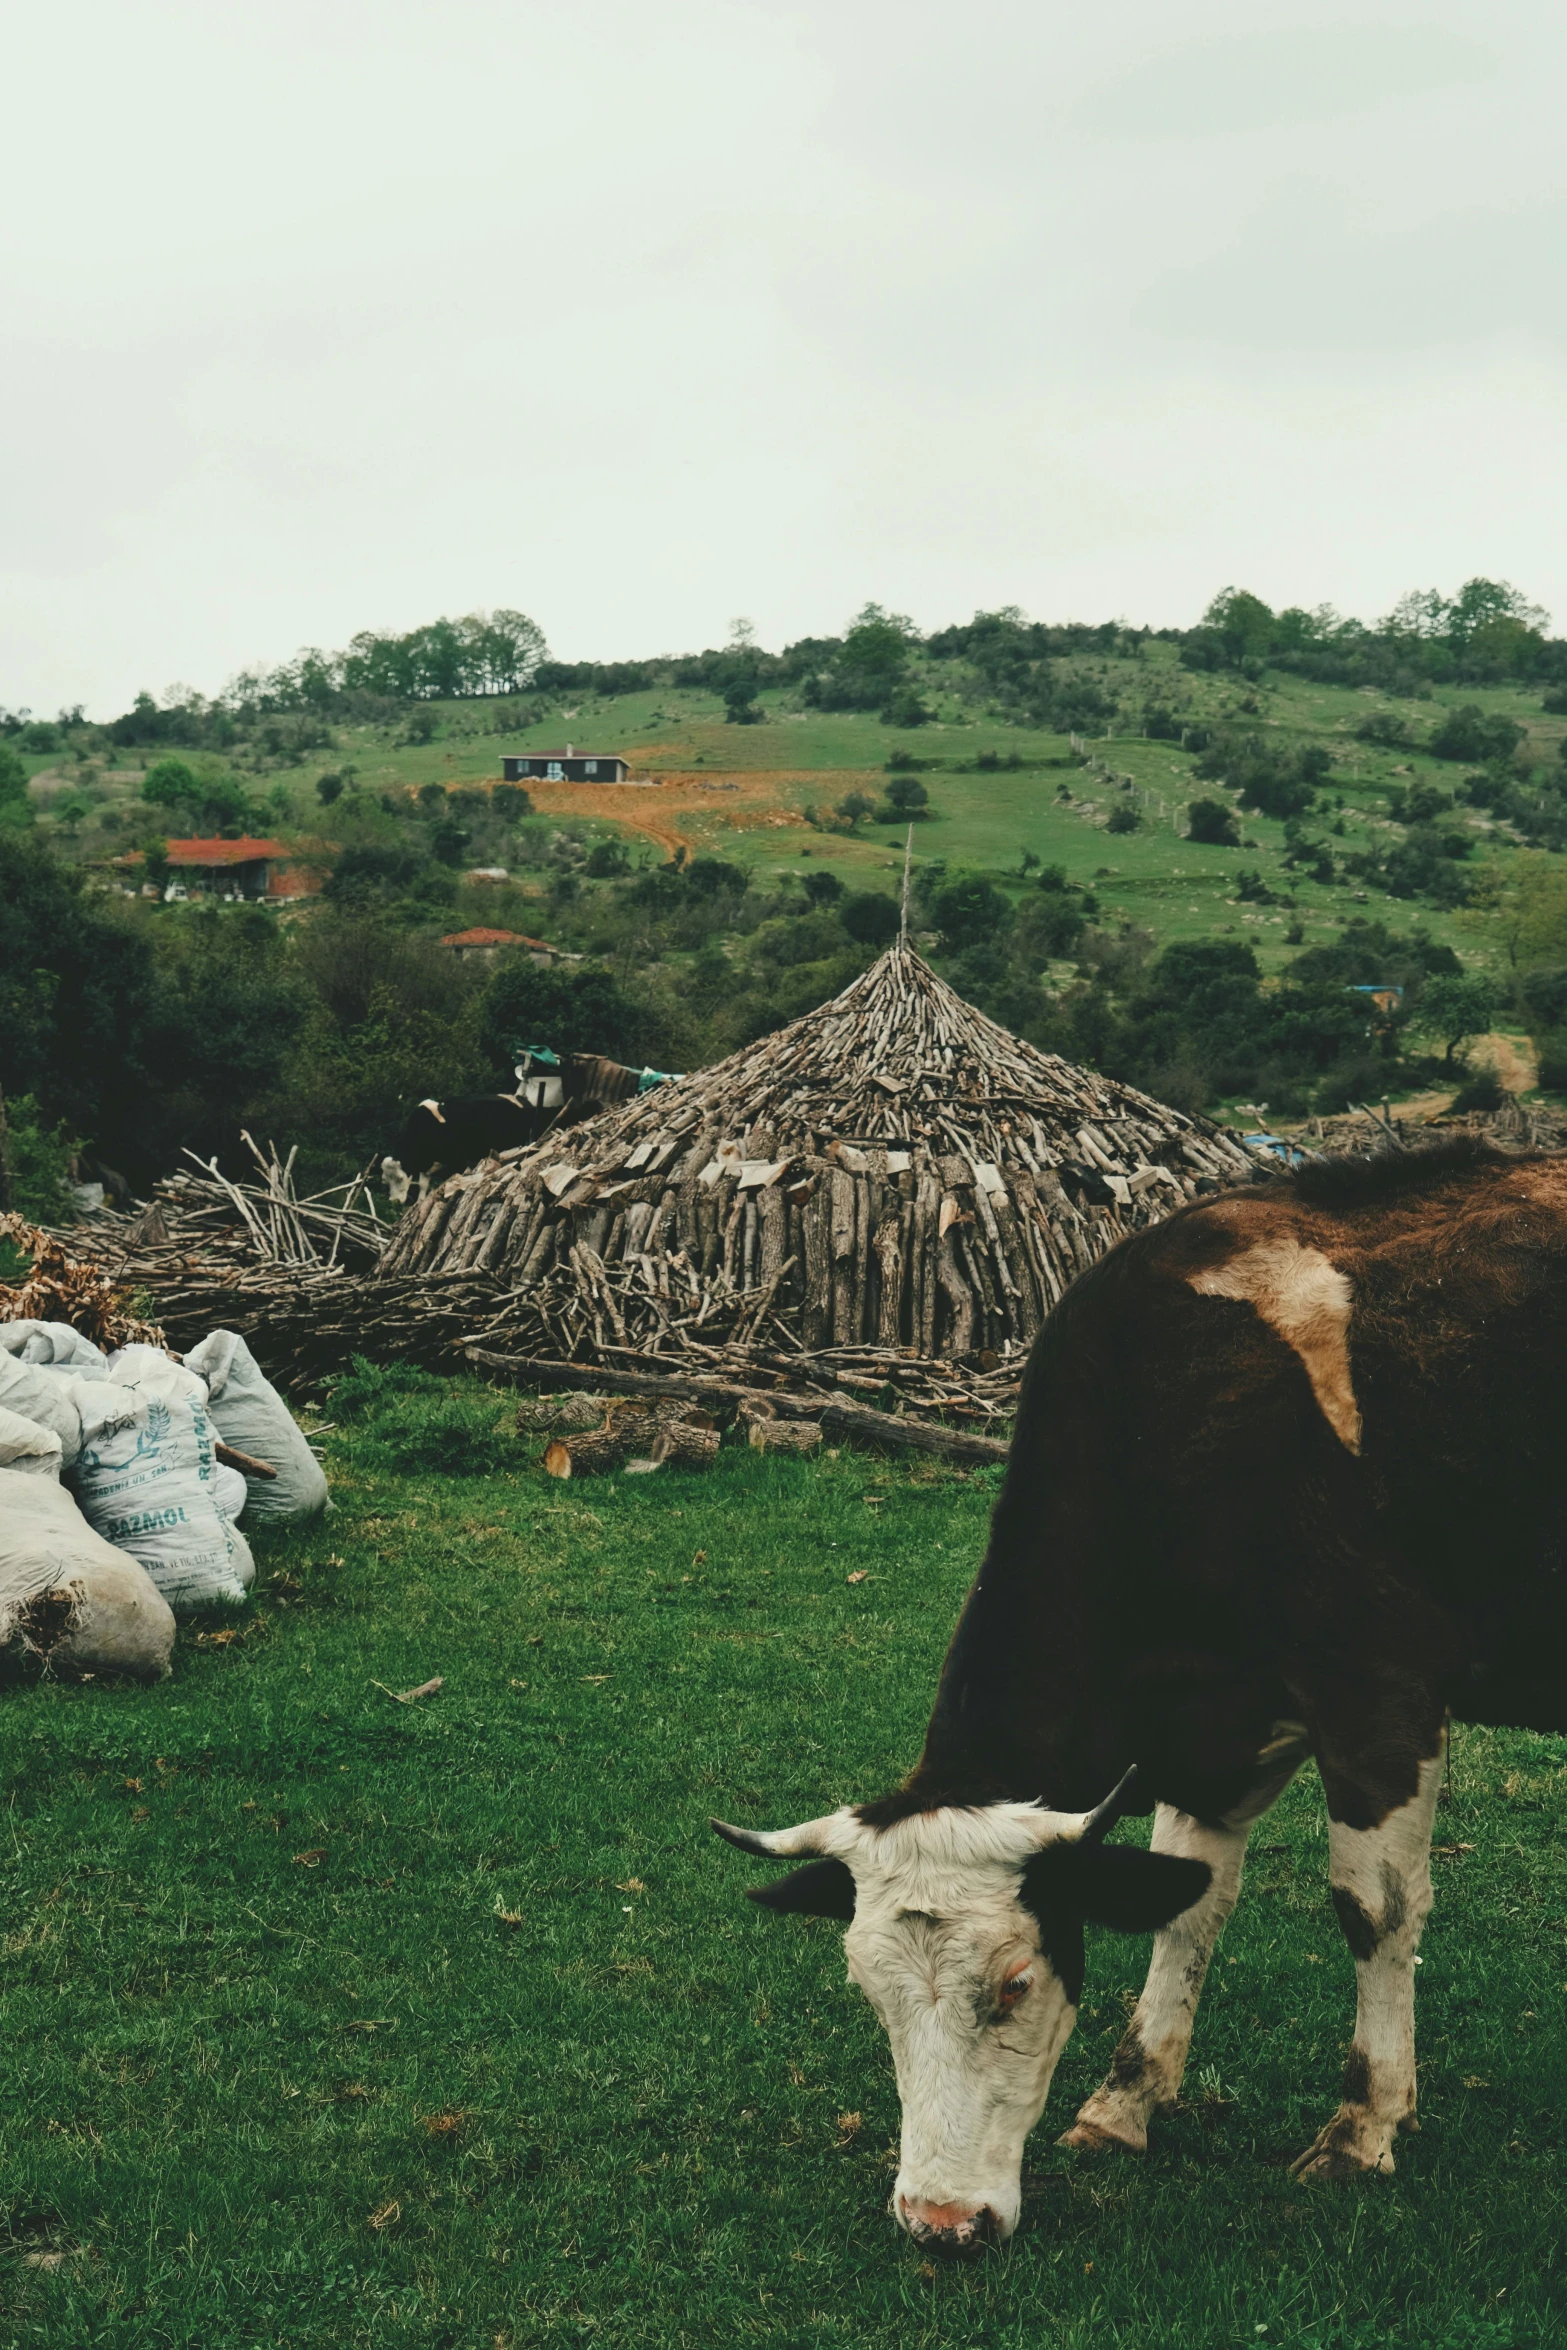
{"x": 234, "y": 1459}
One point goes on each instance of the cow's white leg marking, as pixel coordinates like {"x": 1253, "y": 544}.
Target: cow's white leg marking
{"x": 1302, "y": 1295}
{"x": 1145, "y": 2072}
{"x": 1381, "y": 1880}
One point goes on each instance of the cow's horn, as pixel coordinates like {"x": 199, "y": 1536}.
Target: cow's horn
{"x": 1119, "y": 1801}
{"x": 781, "y": 1843}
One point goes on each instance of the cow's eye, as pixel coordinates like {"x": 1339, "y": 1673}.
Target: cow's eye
{"x": 1013, "y": 1989}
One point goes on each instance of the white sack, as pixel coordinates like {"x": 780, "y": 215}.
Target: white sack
{"x": 229, "y": 1490}
{"x": 51, "y": 1342}
{"x": 154, "y": 1369}
{"x": 145, "y": 1482}
{"x": 28, "y": 1448}
{"x": 46, "y": 1395}
{"x": 251, "y": 1416}
{"x": 73, "y": 1599}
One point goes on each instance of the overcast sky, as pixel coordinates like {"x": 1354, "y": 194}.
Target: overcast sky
{"x": 641, "y": 314}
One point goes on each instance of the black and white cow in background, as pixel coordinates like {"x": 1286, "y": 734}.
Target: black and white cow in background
{"x": 440, "y": 1138}
{"x": 1285, "y": 1484}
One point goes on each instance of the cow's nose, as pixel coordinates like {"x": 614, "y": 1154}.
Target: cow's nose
{"x": 948, "y": 2227}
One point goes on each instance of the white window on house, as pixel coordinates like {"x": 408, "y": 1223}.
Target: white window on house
{"x": 590, "y": 766}
{"x": 553, "y": 771}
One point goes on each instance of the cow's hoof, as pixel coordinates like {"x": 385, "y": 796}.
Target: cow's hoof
{"x": 1353, "y": 2145}
{"x": 1098, "y": 2133}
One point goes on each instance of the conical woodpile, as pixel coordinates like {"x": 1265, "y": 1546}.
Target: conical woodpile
{"x": 894, "y": 1175}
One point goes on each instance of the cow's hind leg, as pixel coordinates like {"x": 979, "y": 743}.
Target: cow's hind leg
{"x": 1145, "y": 2072}
{"x": 1381, "y": 1880}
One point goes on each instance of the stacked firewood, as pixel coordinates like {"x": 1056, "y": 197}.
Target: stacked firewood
{"x": 894, "y": 1172}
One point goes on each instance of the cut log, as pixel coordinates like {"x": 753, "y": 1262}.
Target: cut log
{"x": 682, "y": 1444}
{"x": 767, "y": 1434}
{"x": 559, "y": 1415}
{"x": 597, "y": 1452}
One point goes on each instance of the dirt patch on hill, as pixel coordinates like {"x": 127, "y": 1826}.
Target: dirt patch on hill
{"x": 686, "y": 806}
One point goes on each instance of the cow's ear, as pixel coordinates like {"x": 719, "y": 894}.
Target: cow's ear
{"x": 822, "y": 1889}
{"x": 1136, "y": 1892}
{"x": 1116, "y": 1885}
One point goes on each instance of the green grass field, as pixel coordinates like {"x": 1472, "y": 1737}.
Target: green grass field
{"x": 334, "y": 2020}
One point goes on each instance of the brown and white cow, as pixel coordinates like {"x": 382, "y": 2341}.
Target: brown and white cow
{"x": 1286, "y": 1484}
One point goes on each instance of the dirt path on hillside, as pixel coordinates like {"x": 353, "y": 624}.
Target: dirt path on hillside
{"x": 1513, "y": 1058}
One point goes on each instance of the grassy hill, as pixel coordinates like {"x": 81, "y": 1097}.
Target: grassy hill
{"x": 741, "y": 792}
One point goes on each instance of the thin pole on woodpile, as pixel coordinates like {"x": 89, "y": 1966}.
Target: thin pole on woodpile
{"x": 908, "y": 859}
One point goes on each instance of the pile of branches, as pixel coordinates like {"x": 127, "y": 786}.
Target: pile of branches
{"x": 894, "y": 1170}
{"x": 265, "y": 1221}
{"x": 1516, "y": 1125}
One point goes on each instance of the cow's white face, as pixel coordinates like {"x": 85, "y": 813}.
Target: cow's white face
{"x": 395, "y": 1176}
{"x": 966, "y": 1935}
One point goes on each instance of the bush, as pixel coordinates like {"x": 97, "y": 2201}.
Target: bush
{"x": 1470, "y": 733}
{"x": 1542, "y": 996}
{"x": 904, "y": 708}
{"x": 1127, "y": 817}
{"x": 971, "y": 913}
{"x": 1481, "y": 1091}
{"x": 15, "y": 806}
{"x": 822, "y": 889}
{"x": 38, "y": 1160}
{"x": 907, "y": 798}
{"x": 584, "y": 1010}
{"x": 367, "y": 875}
{"x": 870, "y": 918}
{"x": 1275, "y": 783}
{"x": 1385, "y": 727}
{"x": 1212, "y": 823}
{"x": 1552, "y": 1050}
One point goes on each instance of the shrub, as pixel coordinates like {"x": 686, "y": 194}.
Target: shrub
{"x": 1212, "y": 822}
{"x": 971, "y": 913}
{"x": 870, "y": 918}
{"x": 907, "y": 798}
{"x": 904, "y": 708}
{"x": 1481, "y": 1091}
{"x": 1385, "y": 727}
{"x": 38, "y": 1158}
{"x": 583, "y": 1010}
{"x": 1552, "y": 1050}
{"x": 15, "y": 806}
{"x": 822, "y": 889}
{"x": 1471, "y": 733}
{"x": 1542, "y": 996}
{"x": 1127, "y": 817}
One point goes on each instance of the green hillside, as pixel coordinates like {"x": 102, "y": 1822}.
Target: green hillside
{"x": 756, "y": 863}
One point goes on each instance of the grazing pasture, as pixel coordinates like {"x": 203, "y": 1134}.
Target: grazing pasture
{"x": 333, "y": 2019}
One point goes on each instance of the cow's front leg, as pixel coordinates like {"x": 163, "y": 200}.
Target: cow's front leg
{"x": 1145, "y": 2072}
{"x": 1381, "y": 1880}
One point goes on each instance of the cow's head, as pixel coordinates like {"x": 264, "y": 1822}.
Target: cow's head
{"x": 966, "y": 1935}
